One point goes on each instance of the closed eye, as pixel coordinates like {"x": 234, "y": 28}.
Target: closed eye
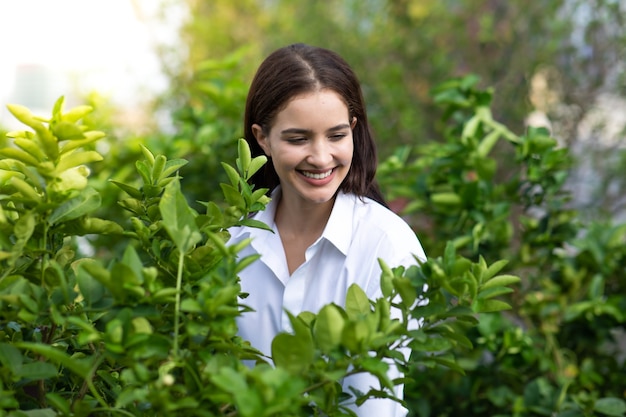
{"x": 296, "y": 140}
{"x": 338, "y": 136}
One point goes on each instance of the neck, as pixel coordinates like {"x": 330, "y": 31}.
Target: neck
{"x": 297, "y": 218}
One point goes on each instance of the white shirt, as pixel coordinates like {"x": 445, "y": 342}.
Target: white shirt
{"x": 358, "y": 232}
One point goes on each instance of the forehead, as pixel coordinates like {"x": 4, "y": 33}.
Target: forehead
{"x": 323, "y": 106}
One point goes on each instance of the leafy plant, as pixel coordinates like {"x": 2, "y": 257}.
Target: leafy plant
{"x": 153, "y": 331}
{"x": 559, "y": 351}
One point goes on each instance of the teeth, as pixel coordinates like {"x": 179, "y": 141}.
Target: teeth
{"x": 317, "y": 176}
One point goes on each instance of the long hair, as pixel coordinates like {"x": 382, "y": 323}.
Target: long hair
{"x": 297, "y": 69}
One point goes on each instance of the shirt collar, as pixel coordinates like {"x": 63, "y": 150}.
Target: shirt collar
{"x": 338, "y": 230}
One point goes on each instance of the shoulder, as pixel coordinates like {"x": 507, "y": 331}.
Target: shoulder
{"x": 376, "y": 224}
{"x": 377, "y": 218}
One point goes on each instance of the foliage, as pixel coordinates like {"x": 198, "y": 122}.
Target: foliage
{"x": 561, "y": 350}
{"x": 207, "y": 112}
{"x": 505, "y": 42}
{"x": 153, "y": 331}
{"x": 571, "y": 49}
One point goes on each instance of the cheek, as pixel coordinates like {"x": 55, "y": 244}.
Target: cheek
{"x": 285, "y": 158}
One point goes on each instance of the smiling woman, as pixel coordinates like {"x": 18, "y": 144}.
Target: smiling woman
{"x": 310, "y": 145}
{"x": 305, "y": 111}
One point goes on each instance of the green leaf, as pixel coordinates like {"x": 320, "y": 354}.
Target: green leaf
{"x": 190, "y": 306}
{"x": 245, "y": 158}
{"x": 147, "y": 154}
{"x": 133, "y": 261}
{"x": 448, "y": 362}
{"x": 229, "y": 380}
{"x": 144, "y": 171}
{"x": 254, "y": 223}
{"x": 178, "y": 218}
{"x": 449, "y": 257}
{"x": 430, "y": 309}
{"x": 494, "y": 268}
{"x": 67, "y": 131}
{"x": 386, "y": 279}
{"x": 91, "y": 289}
{"x": 610, "y": 406}
{"x": 19, "y": 155}
{"x": 10, "y": 358}
{"x": 86, "y": 202}
{"x": 256, "y": 164}
{"x": 27, "y": 190}
{"x": 596, "y": 288}
{"x": 487, "y": 143}
{"x": 58, "y": 402}
{"x": 447, "y": 199}
{"x": 378, "y": 368}
{"x": 490, "y": 306}
{"x": 75, "y": 159}
{"x": 500, "y": 281}
{"x": 357, "y": 303}
{"x": 354, "y": 335}
{"x": 157, "y": 167}
{"x": 406, "y": 290}
{"x": 93, "y": 225}
{"x": 80, "y": 367}
{"x": 90, "y": 137}
{"x": 328, "y": 327}
{"x": 233, "y": 175}
{"x": 89, "y": 331}
{"x": 294, "y": 353}
{"x": 494, "y": 292}
{"x": 37, "y": 370}
{"x": 58, "y": 107}
{"x": 431, "y": 344}
{"x": 24, "y": 115}
{"x": 25, "y": 227}
{"x": 233, "y": 196}
{"x": 172, "y": 166}
{"x": 451, "y": 333}
{"x": 76, "y": 113}
{"x": 130, "y": 190}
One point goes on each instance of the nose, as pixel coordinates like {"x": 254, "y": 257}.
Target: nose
{"x": 320, "y": 153}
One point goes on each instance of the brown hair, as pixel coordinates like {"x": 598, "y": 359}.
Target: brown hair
{"x": 298, "y": 69}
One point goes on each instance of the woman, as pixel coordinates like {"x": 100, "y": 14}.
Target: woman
{"x": 305, "y": 111}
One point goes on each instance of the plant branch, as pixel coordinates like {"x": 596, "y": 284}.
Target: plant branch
{"x": 179, "y": 282}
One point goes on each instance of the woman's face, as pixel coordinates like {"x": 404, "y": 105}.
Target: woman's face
{"x": 310, "y": 144}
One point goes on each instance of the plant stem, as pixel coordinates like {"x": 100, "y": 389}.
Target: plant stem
{"x": 44, "y": 261}
{"x": 179, "y": 281}
{"x": 88, "y": 382}
{"x": 113, "y": 410}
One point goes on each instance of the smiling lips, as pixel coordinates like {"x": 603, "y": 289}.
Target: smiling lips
{"x": 317, "y": 176}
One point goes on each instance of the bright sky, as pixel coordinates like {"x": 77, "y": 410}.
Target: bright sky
{"x": 106, "y": 45}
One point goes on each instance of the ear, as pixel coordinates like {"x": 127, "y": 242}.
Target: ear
{"x": 353, "y": 123}
{"x": 261, "y": 139}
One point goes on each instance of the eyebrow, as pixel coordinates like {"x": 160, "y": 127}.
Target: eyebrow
{"x": 295, "y": 130}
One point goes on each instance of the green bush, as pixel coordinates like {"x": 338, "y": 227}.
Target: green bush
{"x": 151, "y": 330}
{"x": 561, "y": 350}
